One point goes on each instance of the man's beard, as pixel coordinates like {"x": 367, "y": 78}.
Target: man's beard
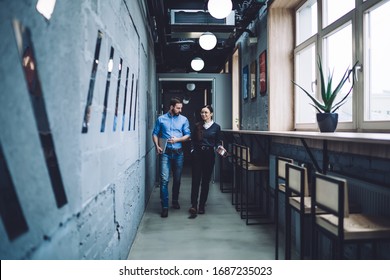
{"x": 173, "y": 113}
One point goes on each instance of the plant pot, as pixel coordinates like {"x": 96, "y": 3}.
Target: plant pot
{"x": 327, "y": 122}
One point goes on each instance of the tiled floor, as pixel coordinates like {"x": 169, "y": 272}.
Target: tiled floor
{"x": 219, "y": 234}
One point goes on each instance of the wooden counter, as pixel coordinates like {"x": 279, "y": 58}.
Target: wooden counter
{"x": 356, "y": 137}
{"x": 345, "y": 138}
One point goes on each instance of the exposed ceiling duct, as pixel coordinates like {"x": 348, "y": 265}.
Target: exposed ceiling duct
{"x": 179, "y": 25}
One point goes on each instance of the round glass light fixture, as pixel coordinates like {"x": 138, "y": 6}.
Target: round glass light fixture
{"x": 207, "y": 41}
{"x": 197, "y": 64}
{"x": 220, "y": 8}
{"x": 186, "y": 99}
{"x": 190, "y": 86}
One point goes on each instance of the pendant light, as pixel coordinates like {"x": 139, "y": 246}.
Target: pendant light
{"x": 207, "y": 41}
{"x": 220, "y": 8}
{"x": 46, "y": 7}
{"x": 190, "y": 86}
{"x": 197, "y": 64}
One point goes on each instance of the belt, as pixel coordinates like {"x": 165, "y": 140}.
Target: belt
{"x": 205, "y": 148}
{"x": 173, "y": 151}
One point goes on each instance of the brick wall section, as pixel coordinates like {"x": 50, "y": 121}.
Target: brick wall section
{"x": 371, "y": 169}
{"x": 368, "y": 185}
{"x": 254, "y": 111}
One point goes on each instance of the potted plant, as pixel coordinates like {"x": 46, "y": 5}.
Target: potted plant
{"x": 327, "y": 118}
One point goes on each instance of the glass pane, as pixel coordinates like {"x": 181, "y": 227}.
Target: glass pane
{"x": 338, "y": 53}
{"x": 377, "y": 60}
{"x": 306, "y": 18}
{"x": 335, "y": 9}
{"x": 305, "y": 63}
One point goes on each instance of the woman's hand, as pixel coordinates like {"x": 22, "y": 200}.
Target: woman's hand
{"x": 221, "y": 151}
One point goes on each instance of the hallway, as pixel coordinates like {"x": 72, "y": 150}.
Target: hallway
{"x": 217, "y": 235}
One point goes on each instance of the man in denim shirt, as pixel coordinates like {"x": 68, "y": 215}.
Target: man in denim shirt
{"x": 176, "y": 129}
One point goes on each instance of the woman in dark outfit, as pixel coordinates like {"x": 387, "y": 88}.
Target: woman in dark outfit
{"x": 205, "y": 140}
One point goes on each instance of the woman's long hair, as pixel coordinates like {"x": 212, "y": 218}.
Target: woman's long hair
{"x": 199, "y": 125}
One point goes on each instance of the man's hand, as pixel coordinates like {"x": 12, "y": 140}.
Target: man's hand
{"x": 173, "y": 140}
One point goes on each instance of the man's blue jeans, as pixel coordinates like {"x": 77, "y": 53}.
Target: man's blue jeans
{"x": 174, "y": 160}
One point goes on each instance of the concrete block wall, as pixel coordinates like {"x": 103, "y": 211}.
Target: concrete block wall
{"x": 103, "y": 173}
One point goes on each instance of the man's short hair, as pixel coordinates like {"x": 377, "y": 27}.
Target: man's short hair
{"x": 174, "y": 101}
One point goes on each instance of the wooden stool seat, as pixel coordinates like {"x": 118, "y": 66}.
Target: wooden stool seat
{"x": 357, "y": 226}
{"x": 295, "y": 202}
{"x": 253, "y": 167}
{"x": 331, "y": 195}
{"x": 282, "y": 188}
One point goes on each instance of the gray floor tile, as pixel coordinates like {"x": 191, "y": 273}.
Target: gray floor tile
{"x": 219, "y": 234}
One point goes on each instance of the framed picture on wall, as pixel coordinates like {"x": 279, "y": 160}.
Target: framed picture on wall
{"x": 245, "y": 81}
{"x": 263, "y": 73}
{"x": 252, "y": 85}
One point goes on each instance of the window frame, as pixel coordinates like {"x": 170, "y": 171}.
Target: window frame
{"x": 356, "y": 18}
{"x": 381, "y": 125}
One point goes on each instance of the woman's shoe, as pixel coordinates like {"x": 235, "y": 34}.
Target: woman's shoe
{"x": 175, "y": 205}
{"x": 201, "y": 210}
{"x": 193, "y": 211}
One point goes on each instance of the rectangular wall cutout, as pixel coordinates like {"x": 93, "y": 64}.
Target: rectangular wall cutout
{"x": 125, "y": 100}
{"x": 11, "y": 211}
{"x": 109, "y": 70}
{"x": 117, "y": 94}
{"x": 135, "y": 104}
{"x": 131, "y": 99}
{"x": 30, "y": 68}
{"x": 87, "y": 111}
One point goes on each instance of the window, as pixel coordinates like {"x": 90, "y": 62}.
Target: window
{"x": 306, "y": 21}
{"x": 376, "y": 62}
{"x": 337, "y": 58}
{"x": 343, "y": 33}
{"x": 335, "y": 9}
{"x": 305, "y": 59}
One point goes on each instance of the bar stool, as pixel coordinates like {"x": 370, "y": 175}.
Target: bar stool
{"x": 330, "y": 194}
{"x": 248, "y": 210}
{"x": 299, "y": 201}
{"x": 238, "y": 163}
{"x": 280, "y": 188}
{"x": 223, "y": 159}
{"x": 236, "y": 175}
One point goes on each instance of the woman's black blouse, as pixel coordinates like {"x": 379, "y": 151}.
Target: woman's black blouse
{"x": 210, "y": 137}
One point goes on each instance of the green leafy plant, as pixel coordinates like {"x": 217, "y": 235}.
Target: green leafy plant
{"x": 328, "y": 96}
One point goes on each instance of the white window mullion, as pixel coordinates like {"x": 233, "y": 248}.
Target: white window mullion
{"x": 358, "y": 49}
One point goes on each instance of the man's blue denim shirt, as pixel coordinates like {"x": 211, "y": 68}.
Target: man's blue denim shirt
{"x": 168, "y": 126}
